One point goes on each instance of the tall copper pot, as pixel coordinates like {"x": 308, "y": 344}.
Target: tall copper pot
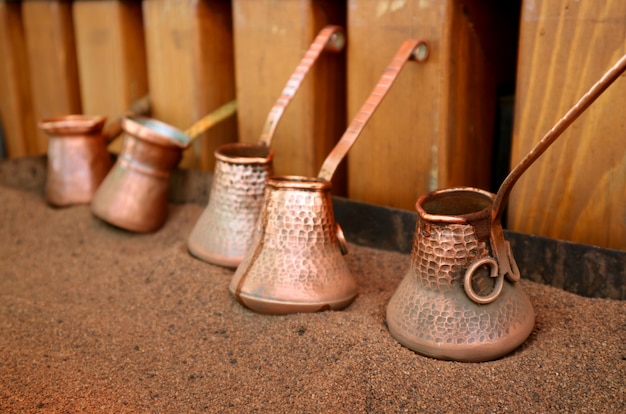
{"x": 223, "y": 232}
{"x": 78, "y": 159}
{"x": 133, "y": 195}
{"x": 295, "y": 263}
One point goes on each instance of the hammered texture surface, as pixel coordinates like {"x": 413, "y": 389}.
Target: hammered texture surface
{"x": 226, "y": 225}
{"x": 428, "y": 319}
{"x": 295, "y": 256}
{"x": 431, "y": 313}
{"x": 439, "y": 259}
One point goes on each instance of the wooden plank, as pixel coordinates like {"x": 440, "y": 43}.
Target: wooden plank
{"x": 270, "y": 39}
{"x": 18, "y": 122}
{"x": 577, "y": 190}
{"x": 191, "y": 68}
{"x": 49, "y": 37}
{"x": 111, "y": 56}
{"x": 435, "y": 128}
{"x": 215, "y": 76}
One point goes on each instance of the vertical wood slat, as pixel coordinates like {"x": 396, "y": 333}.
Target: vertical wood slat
{"x": 111, "y": 56}
{"x": 435, "y": 128}
{"x": 270, "y": 39}
{"x": 16, "y": 114}
{"x": 191, "y": 69}
{"x": 577, "y": 190}
{"x": 215, "y": 76}
{"x": 50, "y": 43}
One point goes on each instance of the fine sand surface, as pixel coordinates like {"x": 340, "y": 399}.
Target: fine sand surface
{"x": 97, "y": 319}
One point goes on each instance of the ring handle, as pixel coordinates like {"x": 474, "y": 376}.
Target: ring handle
{"x": 467, "y": 281}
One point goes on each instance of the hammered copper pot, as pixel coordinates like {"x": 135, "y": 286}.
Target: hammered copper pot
{"x": 78, "y": 159}
{"x": 446, "y": 305}
{"x": 223, "y": 232}
{"x": 295, "y": 263}
{"x": 133, "y": 195}
{"x": 460, "y": 299}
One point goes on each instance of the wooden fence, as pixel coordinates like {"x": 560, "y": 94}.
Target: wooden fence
{"x": 438, "y": 127}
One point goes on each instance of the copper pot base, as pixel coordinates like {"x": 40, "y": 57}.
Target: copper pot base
{"x": 276, "y": 307}
{"x": 200, "y": 251}
{"x": 455, "y": 327}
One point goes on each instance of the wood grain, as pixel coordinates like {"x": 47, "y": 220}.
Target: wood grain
{"x": 215, "y": 75}
{"x": 577, "y": 190}
{"x": 191, "y": 69}
{"x": 111, "y": 56}
{"x": 270, "y": 39}
{"x": 50, "y": 43}
{"x": 435, "y": 128}
{"x": 16, "y": 114}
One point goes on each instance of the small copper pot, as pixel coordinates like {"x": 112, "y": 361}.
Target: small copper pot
{"x": 133, "y": 195}
{"x": 453, "y": 304}
{"x": 296, "y": 264}
{"x": 78, "y": 159}
{"x": 223, "y": 232}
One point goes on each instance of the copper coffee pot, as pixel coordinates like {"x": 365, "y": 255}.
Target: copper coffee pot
{"x": 295, "y": 263}
{"x": 223, "y": 232}
{"x": 78, "y": 159}
{"x": 459, "y": 299}
{"x": 133, "y": 195}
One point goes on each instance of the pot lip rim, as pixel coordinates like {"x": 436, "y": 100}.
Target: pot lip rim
{"x": 78, "y": 122}
{"x": 240, "y": 159}
{"x": 456, "y": 218}
{"x": 166, "y": 135}
{"x": 299, "y": 182}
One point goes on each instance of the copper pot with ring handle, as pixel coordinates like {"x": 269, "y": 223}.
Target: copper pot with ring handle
{"x": 460, "y": 299}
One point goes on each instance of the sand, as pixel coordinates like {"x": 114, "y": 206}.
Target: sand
{"x": 98, "y": 319}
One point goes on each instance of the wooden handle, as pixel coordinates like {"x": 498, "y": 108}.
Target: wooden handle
{"x": 211, "y": 119}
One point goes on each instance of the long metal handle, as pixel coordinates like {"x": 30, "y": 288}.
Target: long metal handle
{"x": 583, "y": 103}
{"x": 410, "y": 49}
{"x": 501, "y": 249}
{"x": 330, "y": 38}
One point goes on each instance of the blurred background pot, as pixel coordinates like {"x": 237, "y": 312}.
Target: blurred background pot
{"x": 78, "y": 159}
{"x": 133, "y": 195}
